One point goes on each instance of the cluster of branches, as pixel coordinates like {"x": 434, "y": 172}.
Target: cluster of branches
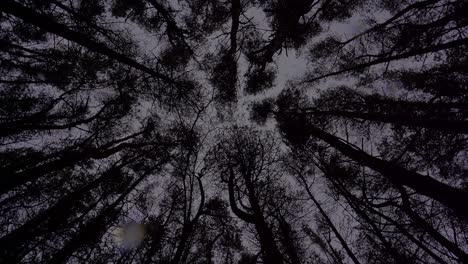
{"x": 107, "y": 152}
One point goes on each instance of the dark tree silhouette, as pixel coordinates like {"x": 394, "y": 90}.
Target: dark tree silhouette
{"x": 124, "y": 135}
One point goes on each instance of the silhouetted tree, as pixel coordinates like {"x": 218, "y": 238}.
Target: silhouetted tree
{"x": 123, "y": 136}
{"x": 246, "y": 161}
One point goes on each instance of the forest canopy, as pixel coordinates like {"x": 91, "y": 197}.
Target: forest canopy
{"x": 234, "y": 131}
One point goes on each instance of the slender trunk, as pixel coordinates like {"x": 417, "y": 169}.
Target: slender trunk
{"x": 449, "y": 126}
{"x": 186, "y": 233}
{"x": 425, "y": 185}
{"x": 417, "y": 5}
{"x": 396, "y": 255}
{"x": 431, "y": 49}
{"x": 53, "y": 217}
{"x": 189, "y": 226}
{"x": 235, "y": 14}
{"x": 88, "y": 234}
{"x": 233, "y": 204}
{"x": 330, "y": 223}
{"x": 19, "y": 82}
{"x": 337, "y": 256}
{"x": 403, "y": 105}
{"x": 46, "y": 23}
{"x": 34, "y": 124}
{"x": 271, "y": 254}
{"x": 288, "y": 241}
{"x": 418, "y": 220}
{"x": 316, "y": 239}
{"x": 67, "y": 160}
{"x": 94, "y": 229}
{"x": 405, "y": 232}
{"x": 181, "y": 246}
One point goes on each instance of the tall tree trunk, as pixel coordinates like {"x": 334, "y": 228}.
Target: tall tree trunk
{"x": 425, "y": 185}
{"x": 419, "y": 221}
{"x": 448, "y": 126}
{"x": 330, "y": 250}
{"x": 399, "y": 14}
{"x": 46, "y": 23}
{"x": 431, "y": 49}
{"x": 271, "y": 254}
{"x": 67, "y": 159}
{"x": 189, "y": 226}
{"x": 94, "y": 229}
{"x": 235, "y": 14}
{"x": 48, "y": 220}
{"x": 288, "y": 240}
{"x": 181, "y": 246}
{"x": 405, "y": 232}
{"x": 329, "y": 222}
{"x": 42, "y": 122}
{"x": 396, "y": 255}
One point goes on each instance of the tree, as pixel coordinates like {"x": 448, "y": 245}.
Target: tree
{"x": 300, "y": 171}
{"x": 414, "y": 33}
{"x": 124, "y": 137}
{"x": 45, "y": 23}
{"x": 424, "y": 185}
{"x": 245, "y": 160}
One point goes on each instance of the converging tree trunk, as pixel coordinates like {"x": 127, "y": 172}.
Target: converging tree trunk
{"x": 425, "y": 185}
{"x": 48, "y": 24}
